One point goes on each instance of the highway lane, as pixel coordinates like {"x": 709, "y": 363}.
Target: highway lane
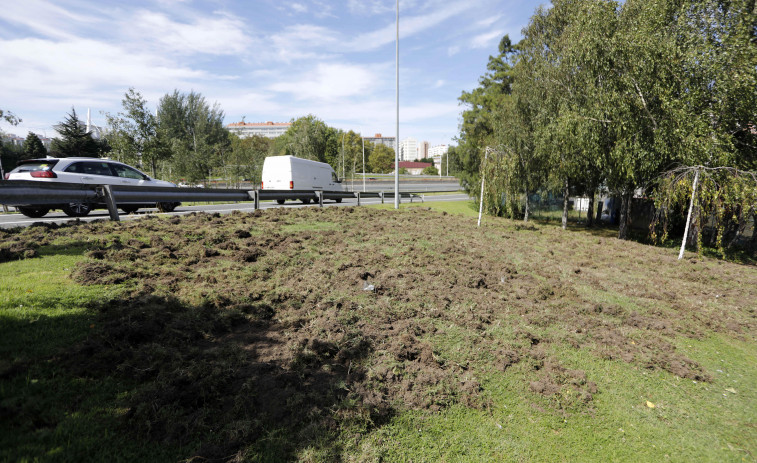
{"x": 12, "y": 220}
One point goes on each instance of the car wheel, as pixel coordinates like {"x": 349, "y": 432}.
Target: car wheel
{"x": 76, "y": 209}
{"x": 166, "y": 207}
{"x": 280, "y": 201}
{"x": 129, "y": 209}
{"x": 33, "y": 212}
{"x": 339, "y": 200}
{"x": 305, "y": 200}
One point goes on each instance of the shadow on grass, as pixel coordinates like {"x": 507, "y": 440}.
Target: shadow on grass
{"x": 159, "y": 380}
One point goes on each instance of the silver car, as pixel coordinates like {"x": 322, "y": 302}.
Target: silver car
{"x": 91, "y": 171}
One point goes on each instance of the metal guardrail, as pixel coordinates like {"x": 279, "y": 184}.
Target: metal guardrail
{"x": 29, "y": 192}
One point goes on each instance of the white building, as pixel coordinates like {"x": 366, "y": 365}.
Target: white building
{"x": 436, "y": 153}
{"x": 378, "y": 139}
{"x": 263, "y": 129}
{"x": 409, "y": 149}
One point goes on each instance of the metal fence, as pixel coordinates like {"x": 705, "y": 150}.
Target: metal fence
{"x": 34, "y": 193}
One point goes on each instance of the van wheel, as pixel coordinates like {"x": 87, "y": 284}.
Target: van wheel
{"x": 305, "y": 200}
{"x": 280, "y": 201}
{"x": 33, "y": 212}
{"x": 76, "y": 209}
{"x": 129, "y": 209}
{"x": 339, "y": 200}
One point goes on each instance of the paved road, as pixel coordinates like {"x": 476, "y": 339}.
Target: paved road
{"x": 19, "y": 220}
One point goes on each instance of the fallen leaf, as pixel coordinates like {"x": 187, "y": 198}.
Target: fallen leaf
{"x": 731, "y": 390}
{"x": 650, "y": 404}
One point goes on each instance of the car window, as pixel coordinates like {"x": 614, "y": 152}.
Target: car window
{"x": 76, "y": 168}
{"x": 35, "y": 166}
{"x": 127, "y": 172}
{"x": 95, "y": 168}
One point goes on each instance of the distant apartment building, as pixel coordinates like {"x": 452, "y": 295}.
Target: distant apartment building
{"x": 378, "y": 139}
{"x": 409, "y": 149}
{"x": 436, "y": 153}
{"x": 263, "y": 129}
{"x": 424, "y": 150}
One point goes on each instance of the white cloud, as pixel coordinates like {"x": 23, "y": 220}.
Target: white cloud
{"x": 408, "y": 26}
{"x": 302, "y": 41}
{"x": 439, "y": 83}
{"x": 328, "y": 82}
{"x": 299, "y": 7}
{"x": 216, "y": 35}
{"x": 486, "y": 40}
{"x": 453, "y": 50}
{"x": 45, "y": 18}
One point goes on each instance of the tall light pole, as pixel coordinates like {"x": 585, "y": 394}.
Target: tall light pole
{"x": 397, "y": 140}
{"x": 343, "y": 176}
{"x": 361, "y": 137}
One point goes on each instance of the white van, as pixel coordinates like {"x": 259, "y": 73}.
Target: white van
{"x": 292, "y": 173}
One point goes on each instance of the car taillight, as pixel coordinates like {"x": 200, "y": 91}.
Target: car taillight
{"x": 43, "y": 174}
{"x": 261, "y": 186}
{"x": 291, "y": 184}
{"x": 7, "y": 175}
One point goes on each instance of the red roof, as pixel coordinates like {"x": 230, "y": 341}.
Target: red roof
{"x": 259, "y": 124}
{"x": 414, "y": 165}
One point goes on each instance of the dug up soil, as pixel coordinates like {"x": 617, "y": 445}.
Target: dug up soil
{"x": 316, "y": 321}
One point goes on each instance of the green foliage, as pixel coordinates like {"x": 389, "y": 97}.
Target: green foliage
{"x": 430, "y": 170}
{"x": 9, "y": 117}
{"x": 477, "y": 128}
{"x": 75, "y": 140}
{"x": 134, "y": 133}
{"x": 724, "y": 201}
{"x": 607, "y": 93}
{"x": 33, "y": 147}
{"x": 381, "y": 159}
{"x": 193, "y": 131}
{"x": 247, "y": 156}
{"x": 10, "y": 154}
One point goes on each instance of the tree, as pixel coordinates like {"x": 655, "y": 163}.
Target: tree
{"x": 33, "y": 147}
{"x": 381, "y": 159}
{"x": 9, "y": 117}
{"x": 430, "y": 170}
{"x": 247, "y": 157}
{"x": 194, "y": 133}
{"x": 477, "y": 128}
{"x": 134, "y": 132}
{"x": 75, "y": 140}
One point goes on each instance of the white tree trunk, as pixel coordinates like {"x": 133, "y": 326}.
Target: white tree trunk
{"x": 688, "y": 219}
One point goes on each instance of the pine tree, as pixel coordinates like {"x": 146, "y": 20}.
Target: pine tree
{"x": 33, "y": 147}
{"x": 75, "y": 140}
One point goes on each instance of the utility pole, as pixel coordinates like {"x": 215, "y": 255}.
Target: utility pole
{"x": 397, "y": 140}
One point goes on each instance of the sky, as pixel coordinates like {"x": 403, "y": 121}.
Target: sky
{"x": 261, "y": 60}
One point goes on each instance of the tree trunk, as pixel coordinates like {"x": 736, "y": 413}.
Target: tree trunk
{"x": 525, "y": 216}
{"x": 625, "y": 215}
{"x": 600, "y": 206}
{"x": 590, "y": 211}
{"x": 566, "y": 192}
{"x": 753, "y": 244}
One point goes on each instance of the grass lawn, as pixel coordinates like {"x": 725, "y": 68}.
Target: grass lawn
{"x": 367, "y": 334}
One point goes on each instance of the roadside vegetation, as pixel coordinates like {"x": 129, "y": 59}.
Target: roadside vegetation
{"x": 362, "y": 334}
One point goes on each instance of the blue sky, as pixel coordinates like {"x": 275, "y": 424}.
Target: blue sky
{"x": 266, "y": 60}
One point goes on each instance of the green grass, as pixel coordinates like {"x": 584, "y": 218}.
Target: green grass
{"x": 465, "y": 208}
{"x": 691, "y": 421}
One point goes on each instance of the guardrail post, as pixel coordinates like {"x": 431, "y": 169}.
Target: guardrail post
{"x": 5, "y": 208}
{"x": 255, "y": 197}
{"x": 381, "y": 193}
{"x": 319, "y": 194}
{"x": 358, "y": 198}
{"x": 111, "y": 203}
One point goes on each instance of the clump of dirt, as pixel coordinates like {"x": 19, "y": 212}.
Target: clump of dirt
{"x": 17, "y": 251}
{"x": 333, "y": 318}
